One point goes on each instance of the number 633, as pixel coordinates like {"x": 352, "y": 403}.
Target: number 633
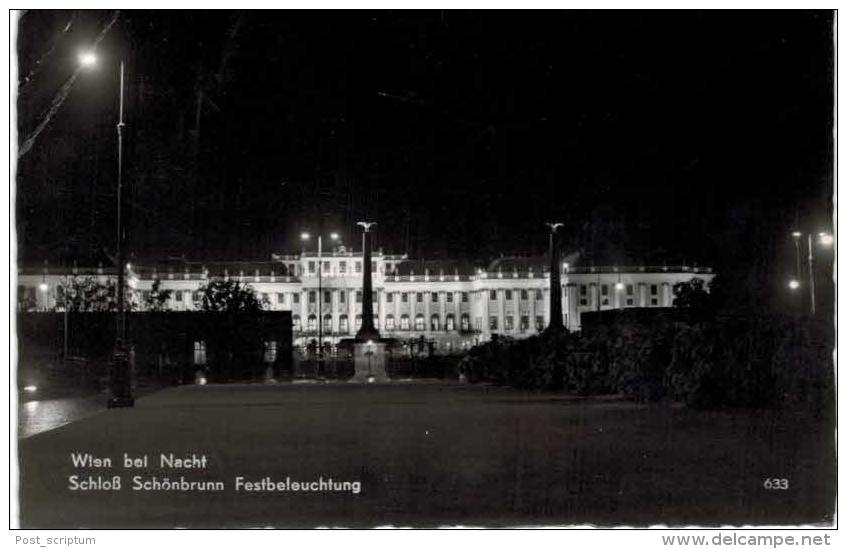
{"x": 775, "y": 484}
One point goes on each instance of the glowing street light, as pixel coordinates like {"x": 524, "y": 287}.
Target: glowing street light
{"x": 87, "y": 59}
{"x": 619, "y": 286}
{"x": 305, "y": 236}
{"x": 825, "y": 239}
{"x": 43, "y": 287}
{"x": 793, "y": 284}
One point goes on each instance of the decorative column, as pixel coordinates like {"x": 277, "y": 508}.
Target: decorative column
{"x": 555, "y": 304}
{"x": 369, "y": 351}
{"x": 367, "y": 331}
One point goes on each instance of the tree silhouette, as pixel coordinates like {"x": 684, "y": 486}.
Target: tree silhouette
{"x": 230, "y": 296}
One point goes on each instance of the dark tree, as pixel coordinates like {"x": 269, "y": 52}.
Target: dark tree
{"x": 231, "y": 296}
{"x": 694, "y": 298}
{"x": 158, "y": 298}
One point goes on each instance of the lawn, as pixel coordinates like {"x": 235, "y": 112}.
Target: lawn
{"x": 436, "y": 454}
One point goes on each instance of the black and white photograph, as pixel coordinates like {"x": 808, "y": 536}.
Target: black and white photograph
{"x": 423, "y": 268}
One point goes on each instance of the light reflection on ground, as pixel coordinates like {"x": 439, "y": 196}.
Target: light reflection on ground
{"x": 37, "y": 416}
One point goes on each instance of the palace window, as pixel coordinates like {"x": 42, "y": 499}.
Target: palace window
{"x": 404, "y": 322}
{"x": 508, "y": 295}
{"x": 312, "y": 323}
{"x": 389, "y": 322}
{"x": 492, "y": 295}
{"x": 604, "y": 289}
{"x": 630, "y": 289}
{"x": 404, "y": 297}
{"x": 266, "y": 298}
{"x": 295, "y": 298}
{"x": 358, "y": 296}
{"x": 358, "y": 322}
{"x": 435, "y": 323}
{"x": 629, "y": 301}
{"x": 464, "y": 297}
{"x": 389, "y": 297}
{"x": 654, "y": 289}
{"x": 524, "y": 295}
{"x": 342, "y": 324}
{"x": 509, "y": 323}
{"x": 311, "y": 267}
{"x": 178, "y": 295}
{"x": 199, "y": 352}
{"x": 419, "y": 297}
{"x": 327, "y": 328}
{"x": 539, "y": 323}
{"x": 539, "y": 295}
{"x": 419, "y": 323}
{"x": 195, "y": 296}
{"x": 280, "y": 298}
{"x": 449, "y": 297}
{"x": 465, "y": 322}
{"x": 327, "y": 296}
{"x": 358, "y": 265}
{"x": 295, "y": 322}
{"x": 342, "y": 296}
{"x": 342, "y": 267}
{"x": 524, "y": 323}
{"x": 492, "y": 322}
{"x": 450, "y": 323}
{"x": 435, "y": 297}
{"x": 654, "y": 301}
{"x": 270, "y": 351}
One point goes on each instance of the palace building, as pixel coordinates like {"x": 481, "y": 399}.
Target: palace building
{"x": 453, "y": 304}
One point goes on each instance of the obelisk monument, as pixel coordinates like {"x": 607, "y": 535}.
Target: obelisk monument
{"x": 369, "y": 350}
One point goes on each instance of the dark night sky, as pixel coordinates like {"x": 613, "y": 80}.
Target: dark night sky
{"x": 656, "y": 137}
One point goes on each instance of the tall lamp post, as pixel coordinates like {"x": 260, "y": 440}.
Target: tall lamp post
{"x": 824, "y": 239}
{"x": 305, "y": 237}
{"x": 120, "y": 371}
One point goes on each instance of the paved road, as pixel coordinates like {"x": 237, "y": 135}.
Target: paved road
{"x": 428, "y": 455}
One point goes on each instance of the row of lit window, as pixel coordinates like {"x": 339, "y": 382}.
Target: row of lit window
{"x": 629, "y": 290}
{"x": 405, "y": 323}
{"x": 390, "y": 323}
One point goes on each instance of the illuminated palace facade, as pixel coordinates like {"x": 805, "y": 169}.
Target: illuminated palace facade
{"x": 451, "y": 303}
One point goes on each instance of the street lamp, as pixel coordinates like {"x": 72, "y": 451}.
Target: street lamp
{"x": 797, "y": 235}
{"x": 121, "y": 383}
{"x": 305, "y": 236}
{"x": 87, "y": 59}
{"x": 825, "y": 240}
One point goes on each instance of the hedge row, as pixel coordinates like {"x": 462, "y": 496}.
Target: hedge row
{"x": 725, "y": 361}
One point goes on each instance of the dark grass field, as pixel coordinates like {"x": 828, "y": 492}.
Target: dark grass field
{"x": 437, "y": 454}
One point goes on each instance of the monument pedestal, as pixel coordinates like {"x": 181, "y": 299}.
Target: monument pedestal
{"x": 369, "y": 361}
